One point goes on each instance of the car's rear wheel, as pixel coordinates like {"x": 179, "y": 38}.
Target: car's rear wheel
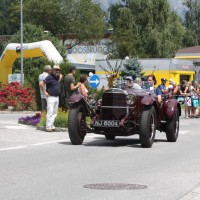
{"x": 76, "y": 122}
{"x": 110, "y": 137}
{"x": 172, "y": 128}
{"x": 148, "y": 127}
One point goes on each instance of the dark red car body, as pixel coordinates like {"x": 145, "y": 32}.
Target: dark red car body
{"x": 114, "y": 115}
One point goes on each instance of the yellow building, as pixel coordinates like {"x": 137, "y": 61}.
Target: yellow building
{"x": 162, "y": 68}
{"x": 192, "y": 54}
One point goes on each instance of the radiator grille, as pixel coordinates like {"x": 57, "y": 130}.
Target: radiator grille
{"x": 113, "y": 100}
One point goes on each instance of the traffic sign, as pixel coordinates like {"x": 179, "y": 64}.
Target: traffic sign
{"x": 94, "y": 81}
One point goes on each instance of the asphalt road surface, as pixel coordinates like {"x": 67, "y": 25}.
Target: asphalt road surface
{"x": 35, "y": 165}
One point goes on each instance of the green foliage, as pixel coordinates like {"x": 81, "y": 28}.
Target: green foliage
{"x": 146, "y": 29}
{"x": 132, "y": 67}
{"x": 5, "y": 27}
{"x": 60, "y": 121}
{"x": 34, "y": 66}
{"x": 82, "y": 18}
{"x": 192, "y": 23}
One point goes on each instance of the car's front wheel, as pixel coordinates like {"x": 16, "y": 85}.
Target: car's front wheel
{"x": 148, "y": 127}
{"x": 172, "y": 128}
{"x": 76, "y": 122}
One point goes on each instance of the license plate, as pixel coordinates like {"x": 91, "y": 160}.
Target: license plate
{"x": 106, "y": 123}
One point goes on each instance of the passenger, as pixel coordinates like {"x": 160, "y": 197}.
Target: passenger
{"x": 152, "y": 82}
{"x": 82, "y": 88}
{"x": 161, "y": 90}
{"x": 137, "y": 84}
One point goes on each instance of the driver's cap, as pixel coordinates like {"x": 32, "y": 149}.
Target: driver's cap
{"x": 163, "y": 79}
{"x": 129, "y": 78}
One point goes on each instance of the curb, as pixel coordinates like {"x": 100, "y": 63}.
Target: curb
{"x": 59, "y": 129}
{"x": 19, "y": 112}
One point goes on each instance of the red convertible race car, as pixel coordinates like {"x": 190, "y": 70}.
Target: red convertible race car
{"x": 124, "y": 111}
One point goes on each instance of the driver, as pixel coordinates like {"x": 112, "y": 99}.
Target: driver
{"x": 129, "y": 82}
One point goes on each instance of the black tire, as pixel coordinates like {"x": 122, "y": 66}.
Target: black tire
{"x": 76, "y": 119}
{"x": 148, "y": 127}
{"x": 172, "y": 128}
{"x": 110, "y": 137}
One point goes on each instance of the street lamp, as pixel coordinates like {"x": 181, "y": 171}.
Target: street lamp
{"x": 21, "y": 30}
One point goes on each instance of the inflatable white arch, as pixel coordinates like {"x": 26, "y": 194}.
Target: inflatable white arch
{"x": 31, "y": 50}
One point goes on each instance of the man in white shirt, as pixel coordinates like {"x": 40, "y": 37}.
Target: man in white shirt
{"x": 42, "y": 77}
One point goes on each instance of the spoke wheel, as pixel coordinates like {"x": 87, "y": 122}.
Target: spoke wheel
{"x": 148, "y": 127}
{"x": 172, "y": 128}
{"x": 76, "y": 125}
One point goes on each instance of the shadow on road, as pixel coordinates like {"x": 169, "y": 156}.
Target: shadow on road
{"x": 118, "y": 142}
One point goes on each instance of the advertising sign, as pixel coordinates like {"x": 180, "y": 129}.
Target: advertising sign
{"x": 14, "y": 78}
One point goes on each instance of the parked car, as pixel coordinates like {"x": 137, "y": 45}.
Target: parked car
{"x": 124, "y": 111}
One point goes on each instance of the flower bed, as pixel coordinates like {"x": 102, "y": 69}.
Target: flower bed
{"x": 17, "y": 98}
{"x": 33, "y": 120}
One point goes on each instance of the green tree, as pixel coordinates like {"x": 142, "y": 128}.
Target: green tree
{"x": 34, "y": 33}
{"x": 192, "y": 23}
{"x": 151, "y": 29}
{"x": 5, "y": 27}
{"x": 80, "y": 19}
{"x": 34, "y": 66}
{"x": 133, "y": 68}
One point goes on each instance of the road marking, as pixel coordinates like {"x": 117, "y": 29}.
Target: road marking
{"x": 17, "y": 127}
{"x": 13, "y": 148}
{"x": 5, "y": 122}
{"x": 41, "y": 144}
{"x": 183, "y": 123}
{"x": 51, "y": 142}
{"x": 183, "y": 132}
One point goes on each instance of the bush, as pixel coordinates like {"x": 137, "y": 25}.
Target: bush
{"x": 60, "y": 121}
{"x": 17, "y": 97}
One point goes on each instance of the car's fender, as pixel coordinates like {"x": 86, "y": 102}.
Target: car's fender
{"x": 170, "y": 107}
{"x": 147, "y": 100}
{"x": 77, "y": 99}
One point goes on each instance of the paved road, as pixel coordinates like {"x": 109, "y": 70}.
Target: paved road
{"x": 39, "y": 165}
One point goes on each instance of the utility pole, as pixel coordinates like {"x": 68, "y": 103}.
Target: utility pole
{"x": 21, "y": 30}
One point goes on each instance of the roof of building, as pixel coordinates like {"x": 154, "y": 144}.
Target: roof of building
{"x": 194, "y": 49}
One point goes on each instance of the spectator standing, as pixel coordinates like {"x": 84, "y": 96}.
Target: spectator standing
{"x": 47, "y": 71}
{"x": 183, "y": 90}
{"x": 52, "y": 93}
{"x": 194, "y": 94}
{"x": 69, "y": 84}
{"x": 82, "y": 88}
{"x": 172, "y": 88}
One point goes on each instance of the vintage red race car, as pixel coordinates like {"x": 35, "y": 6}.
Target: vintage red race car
{"x": 124, "y": 111}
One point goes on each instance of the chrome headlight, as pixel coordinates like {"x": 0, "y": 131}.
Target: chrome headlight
{"x": 130, "y": 99}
